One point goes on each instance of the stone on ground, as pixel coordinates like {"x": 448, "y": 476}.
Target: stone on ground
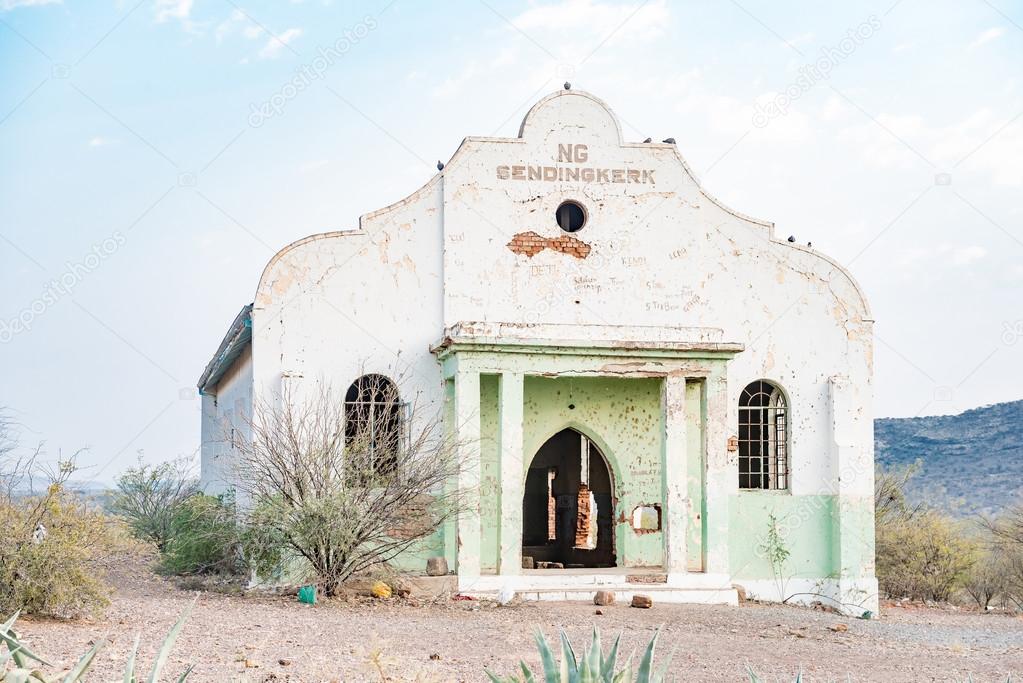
{"x": 642, "y": 601}
{"x": 604, "y": 598}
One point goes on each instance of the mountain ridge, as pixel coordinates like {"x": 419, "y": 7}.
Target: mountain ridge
{"x": 971, "y": 462}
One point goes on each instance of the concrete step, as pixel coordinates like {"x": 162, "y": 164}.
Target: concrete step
{"x": 623, "y": 595}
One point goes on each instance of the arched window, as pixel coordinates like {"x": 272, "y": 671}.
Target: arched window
{"x": 763, "y": 437}
{"x": 374, "y": 425}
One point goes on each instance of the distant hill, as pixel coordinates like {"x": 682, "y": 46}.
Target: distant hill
{"x": 971, "y": 462}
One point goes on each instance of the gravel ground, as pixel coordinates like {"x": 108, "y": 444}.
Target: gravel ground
{"x": 363, "y": 640}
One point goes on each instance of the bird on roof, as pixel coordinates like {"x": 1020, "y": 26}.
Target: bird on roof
{"x": 440, "y": 166}
{"x": 792, "y": 238}
{"x": 649, "y": 140}
{"x": 670, "y": 141}
{"x": 568, "y": 86}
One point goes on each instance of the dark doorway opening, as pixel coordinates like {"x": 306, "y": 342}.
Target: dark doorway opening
{"x": 568, "y": 505}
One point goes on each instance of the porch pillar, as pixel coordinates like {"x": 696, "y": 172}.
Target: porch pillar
{"x": 675, "y": 476}
{"x": 467, "y": 439}
{"x": 722, "y": 479}
{"x": 512, "y": 473}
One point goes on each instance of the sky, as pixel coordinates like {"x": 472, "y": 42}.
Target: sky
{"x": 155, "y": 154}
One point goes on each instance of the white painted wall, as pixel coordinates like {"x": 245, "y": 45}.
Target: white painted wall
{"x": 229, "y": 408}
{"x": 667, "y": 260}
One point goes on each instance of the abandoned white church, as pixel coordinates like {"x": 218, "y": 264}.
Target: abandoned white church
{"x": 646, "y": 382}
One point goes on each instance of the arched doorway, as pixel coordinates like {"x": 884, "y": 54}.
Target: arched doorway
{"x": 568, "y": 504}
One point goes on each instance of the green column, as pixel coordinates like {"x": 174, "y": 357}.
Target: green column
{"x": 467, "y": 430}
{"x": 512, "y": 473}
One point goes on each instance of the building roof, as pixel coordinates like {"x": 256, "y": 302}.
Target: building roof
{"x": 238, "y": 336}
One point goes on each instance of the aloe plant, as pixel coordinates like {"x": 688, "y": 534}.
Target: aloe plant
{"x": 17, "y": 664}
{"x": 592, "y": 667}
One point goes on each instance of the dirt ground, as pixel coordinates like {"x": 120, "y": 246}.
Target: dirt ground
{"x": 264, "y": 638}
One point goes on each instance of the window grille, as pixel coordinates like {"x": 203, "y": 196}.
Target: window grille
{"x": 375, "y": 420}
{"x": 763, "y": 437}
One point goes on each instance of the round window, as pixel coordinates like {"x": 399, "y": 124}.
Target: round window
{"x": 571, "y": 216}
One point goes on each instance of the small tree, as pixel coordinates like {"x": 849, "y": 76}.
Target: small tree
{"x": 921, "y": 553}
{"x": 988, "y": 578}
{"x": 342, "y": 486}
{"x": 1007, "y": 542}
{"x": 149, "y": 497}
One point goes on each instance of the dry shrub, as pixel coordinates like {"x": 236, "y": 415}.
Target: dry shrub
{"x": 1006, "y": 534}
{"x": 925, "y": 558}
{"x": 921, "y": 553}
{"x": 54, "y": 548}
{"x": 60, "y": 571}
{"x": 343, "y": 486}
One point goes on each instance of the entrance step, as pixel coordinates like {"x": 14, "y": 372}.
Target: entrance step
{"x": 572, "y": 585}
{"x": 623, "y": 596}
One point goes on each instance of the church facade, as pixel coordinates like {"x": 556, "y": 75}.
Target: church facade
{"x": 653, "y": 393}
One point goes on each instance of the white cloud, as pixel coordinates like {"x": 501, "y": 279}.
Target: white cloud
{"x": 578, "y": 18}
{"x": 8, "y": 5}
{"x": 237, "y": 20}
{"x": 172, "y": 9}
{"x": 987, "y": 36}
{"x": 965, "y": 256}
{"x": 98, "y": 141}
{"x": 980, "y": 141}
{"x": 274, "y": 45}
{"x": 804, "y": 39}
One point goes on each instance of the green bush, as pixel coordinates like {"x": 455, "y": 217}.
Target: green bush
{"x": 203, "y": 538}
{"x": 53, "y": 552}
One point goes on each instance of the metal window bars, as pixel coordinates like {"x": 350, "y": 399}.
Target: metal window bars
{"x": 763, "y": 438}
{"x": 375, "y": 423}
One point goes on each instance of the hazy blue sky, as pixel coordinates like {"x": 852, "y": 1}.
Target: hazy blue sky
{"x": 144, "y": 184}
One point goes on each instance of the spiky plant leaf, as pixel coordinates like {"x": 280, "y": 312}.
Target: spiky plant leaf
{"x": 129, "y": 668}
{"x": 168, "y": 644}
{"x": 184, "y": 674}
{"x": 527, "y": 675}
{"x": 643, "y": 676}
{"x": 592, "y": 658}
{"x": 608, "y": 665}
{"x": 86, "y": 660}
{"x": 550, "y": 668}
{"x": 625, "y": 675}
{"x": 662, "y": 673}
{"x": 569, "y": 667}
{"x": 19, "y": 652}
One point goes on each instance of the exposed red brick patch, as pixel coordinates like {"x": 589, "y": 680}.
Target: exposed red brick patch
{"x": 582, "y": 521}
{"x": 530, "y": 244}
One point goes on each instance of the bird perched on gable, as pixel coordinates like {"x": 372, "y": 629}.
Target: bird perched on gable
{"x": 670, "y": 141}
{"x": 792, "y": 238}
{"x": 440, "y": 166}
{"x": 649, "y": 140}
{"x": 568, "y": 86}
